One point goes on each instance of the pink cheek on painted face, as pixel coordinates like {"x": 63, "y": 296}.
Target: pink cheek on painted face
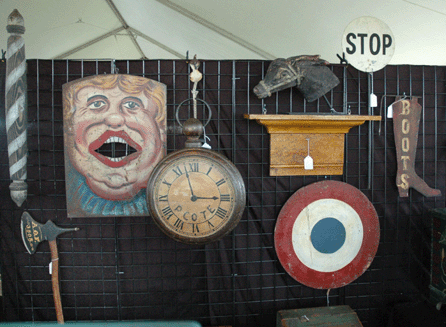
{"x": 80, "y": 131}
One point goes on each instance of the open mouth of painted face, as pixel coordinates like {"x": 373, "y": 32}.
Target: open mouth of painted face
{"x": 115, "y": 149}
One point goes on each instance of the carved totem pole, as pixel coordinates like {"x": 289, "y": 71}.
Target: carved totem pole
{"x": 16, "y": 111}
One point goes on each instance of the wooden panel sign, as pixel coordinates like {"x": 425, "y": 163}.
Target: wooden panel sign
{"x": 114, "y": 134}
{"x": 406, "y": 122}
{"x": 334, "y": 316}
{"x": 294, "y": 137}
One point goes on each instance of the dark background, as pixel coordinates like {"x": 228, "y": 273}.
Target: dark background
{"x": 125, "y": 268}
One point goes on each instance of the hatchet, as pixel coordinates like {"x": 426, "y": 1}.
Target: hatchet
{"x": 32, "y": 234}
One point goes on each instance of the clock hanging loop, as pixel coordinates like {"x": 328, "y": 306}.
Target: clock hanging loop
{"x": 193, "y": 128}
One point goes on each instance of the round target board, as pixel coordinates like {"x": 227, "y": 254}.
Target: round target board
{"x": 327, "y": 234}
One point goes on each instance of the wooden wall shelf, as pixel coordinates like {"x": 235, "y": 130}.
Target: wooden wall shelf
{"x": 289, "y": 145}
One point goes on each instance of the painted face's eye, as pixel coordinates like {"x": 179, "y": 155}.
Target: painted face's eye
{"x": 96, "y": 105}
{"x": 132, "y": 105}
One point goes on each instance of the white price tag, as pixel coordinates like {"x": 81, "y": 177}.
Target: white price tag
{"x": 373, "y": 100}
{"x": 390, "y": 111}
{"x": 308, "y": 163}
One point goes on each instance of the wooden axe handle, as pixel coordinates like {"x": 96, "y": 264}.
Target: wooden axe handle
{"x": 55, "y": 281}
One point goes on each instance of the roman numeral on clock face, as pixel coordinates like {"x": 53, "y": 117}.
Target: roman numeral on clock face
{"x": 194, "y": 167}
{"x": 220, "y": 182}
{"x": 179, "y": 223}
{"x": 177, "y": 171}
{"x": 221, "y": 213}
{"x": 167, "y": 212}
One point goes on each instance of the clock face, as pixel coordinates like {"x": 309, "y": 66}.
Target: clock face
{"x": 196, "y": 196}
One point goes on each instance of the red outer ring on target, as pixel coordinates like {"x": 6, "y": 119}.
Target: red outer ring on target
{"x": 288, "y": 215}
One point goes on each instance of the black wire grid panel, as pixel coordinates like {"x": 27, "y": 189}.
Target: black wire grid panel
{"x": 125, "y": 268}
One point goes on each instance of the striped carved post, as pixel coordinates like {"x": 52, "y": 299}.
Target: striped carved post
{"x": 16, "y": 111}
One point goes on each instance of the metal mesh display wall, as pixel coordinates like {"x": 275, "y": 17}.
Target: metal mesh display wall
{"x": 125, "y": 268}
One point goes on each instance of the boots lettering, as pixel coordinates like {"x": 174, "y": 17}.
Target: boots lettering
{"x": 405, "y": 143}
{"x": 404, "y": 182}
{"x": 405, "y": 126}
{"x": 406, "y": 115}
{"x": 405, "y": 158}
{"x": 406, "y": 107}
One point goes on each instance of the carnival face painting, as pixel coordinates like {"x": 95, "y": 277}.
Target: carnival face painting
{"x": 114, "y": 132}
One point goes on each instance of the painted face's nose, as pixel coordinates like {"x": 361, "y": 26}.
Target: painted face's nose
{"x": 114, "y": 119}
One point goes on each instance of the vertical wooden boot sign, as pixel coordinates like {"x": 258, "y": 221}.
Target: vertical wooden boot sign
{"x": 406, "y": 121}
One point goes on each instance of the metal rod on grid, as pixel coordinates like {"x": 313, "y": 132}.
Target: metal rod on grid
{"x": 16, "y": 111}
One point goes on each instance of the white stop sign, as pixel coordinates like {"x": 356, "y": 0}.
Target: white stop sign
{"x": 368, "y": 44}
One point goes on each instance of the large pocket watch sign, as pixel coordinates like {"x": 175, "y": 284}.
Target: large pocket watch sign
{"x": 327, "y": 234}
{"x": 114, "y": 134}
{"x": 197, "y": 195}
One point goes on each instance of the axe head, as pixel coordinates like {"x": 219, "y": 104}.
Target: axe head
{"x": 33, "y": 232}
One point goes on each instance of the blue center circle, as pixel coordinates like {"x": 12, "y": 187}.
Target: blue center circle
{"x": 328, "y": 235}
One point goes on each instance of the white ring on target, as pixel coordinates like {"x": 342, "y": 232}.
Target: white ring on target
{"x": 309, "y": 217}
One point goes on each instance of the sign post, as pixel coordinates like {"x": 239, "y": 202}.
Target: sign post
{"x": 368, "y": 45}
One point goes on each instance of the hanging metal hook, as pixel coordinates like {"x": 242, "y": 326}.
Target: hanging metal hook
{"x": 343, "y": 61}
{"x": 404, "y": 97}
{"x": 114, "y": 69}
{"x": 206, "y": 138}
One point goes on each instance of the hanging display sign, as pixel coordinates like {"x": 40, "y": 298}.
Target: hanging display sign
{"x": 327, "y": 234}
{"x": 406, "y": 123}
{"x": 114, "y": 134}
{"x": 16, "y": 108}
{"x": 197, "y": 195}
{"x": 368, "y": 44}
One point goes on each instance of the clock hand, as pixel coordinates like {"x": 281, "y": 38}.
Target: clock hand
{"x": 202, "y": 197}
{"x": 190, "y": 185}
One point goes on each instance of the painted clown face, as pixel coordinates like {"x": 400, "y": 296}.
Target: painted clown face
{"x": 114, "y": 139}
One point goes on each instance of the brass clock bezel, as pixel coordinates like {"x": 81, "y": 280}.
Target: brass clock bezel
{"x": 232, "y": 176}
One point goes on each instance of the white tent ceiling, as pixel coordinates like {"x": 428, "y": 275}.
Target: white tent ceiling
{"x": 221, "y": 29}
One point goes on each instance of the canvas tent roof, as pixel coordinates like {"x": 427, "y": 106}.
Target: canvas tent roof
{"x": 220, "y": 29}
